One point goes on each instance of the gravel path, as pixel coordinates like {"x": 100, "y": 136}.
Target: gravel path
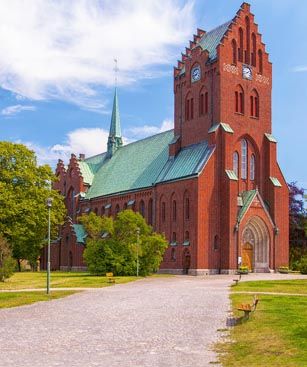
{"x": 153, "y": 322}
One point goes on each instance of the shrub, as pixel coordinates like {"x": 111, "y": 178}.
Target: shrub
{"x": 303, "y": 265}
{"x": 7, "y": 263}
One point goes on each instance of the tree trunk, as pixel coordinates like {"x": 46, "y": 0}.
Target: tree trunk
{"x": 19, "y": 264}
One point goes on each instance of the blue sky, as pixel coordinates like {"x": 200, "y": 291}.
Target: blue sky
{"x": 57, "y": 79}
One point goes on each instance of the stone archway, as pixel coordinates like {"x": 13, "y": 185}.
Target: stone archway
{"x": 255, "y": 245}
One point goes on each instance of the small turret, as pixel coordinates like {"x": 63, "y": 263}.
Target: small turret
{"x": 115, "y": 136}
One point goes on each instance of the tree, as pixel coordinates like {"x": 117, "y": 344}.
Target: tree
{"x": 298, "y": 225}
{"x": 24, "y": 189}
{"x": 7, "y": 263}
{"x": 114, "y": 245}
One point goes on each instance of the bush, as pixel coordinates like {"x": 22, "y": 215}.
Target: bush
{"x": 7, "y": 263}
{"x": 303, "y": 265}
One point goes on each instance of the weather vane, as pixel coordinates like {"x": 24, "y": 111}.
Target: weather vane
{"x": 116, "y": 70}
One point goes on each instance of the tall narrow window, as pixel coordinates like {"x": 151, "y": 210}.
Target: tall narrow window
{"x": 236, "y": 163}
{"x": 206, "y": 102}
{"x": 187, "y": 110}
{"x": 234, "y": 51}
{"x": 239, "y": 100}
{"x": 252, "y": 168}
{"x": 241, "y": 108}
{"x": 243, "y": 159}
{"x": 241, "y": 45}
{"x": 187, "y": 208}
{"x": 192, "y": 108}
{"x": 163, "y": 214}
{"x": 142, "y": 208}
{"x": 247, "y": 52}
{"x": 174, "y": 238}
{"x": 150, "y": 211}
{"x": 173, "y": 254}
{"x": 174, "y": 210}
{"x": 254, "y": 51}
{"x": 260, "y": 60}
{"x": 216, "y": 243}
{"x": 117, "y": 209}
{"x": 254, "y": 104}
{"x": 201, "y": 104}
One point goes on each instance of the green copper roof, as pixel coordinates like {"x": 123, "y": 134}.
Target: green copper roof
{"x": 247, "y": 199}
{"x": 115, "y": 129}
{"x": 144, "y": 163}
{"x": 80, "y": 232}
{"x": 275, "y": 182}
{"x": 270, "y": 137}
{"x": 231, "y": 175}
{"x": 223, "y": 125}
{"x": 86, "y": 172}
{"x": 211, "y": 40}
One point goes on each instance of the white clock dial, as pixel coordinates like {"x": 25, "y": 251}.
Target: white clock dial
{"x": 247, "y": 73}
{"x": 196, "y": 74}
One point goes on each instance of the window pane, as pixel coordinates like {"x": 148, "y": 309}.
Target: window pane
{"x": 244, "y": 159}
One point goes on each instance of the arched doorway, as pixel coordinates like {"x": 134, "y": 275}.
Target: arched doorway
{"x": 186, "y": 261}
{"x": 255, "y": 245}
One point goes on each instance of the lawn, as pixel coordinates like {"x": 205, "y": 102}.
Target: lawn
{"x": 275, "y": 335}
{"x": 59, "y": 279}
{"x": 298, "y": 286}
{"x": 13, "y": 299}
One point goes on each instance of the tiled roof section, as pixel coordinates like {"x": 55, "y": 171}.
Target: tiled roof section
{"x": 275, "y": 182}
{"x": 80, "y": 233}
{"x": 270, "y": 137}
{"x": 145, "y": 163}
{"x": 133, "y": 166}
{"x": 188, "y": 162}
{"x": 247, "y": 199}
{"x": 86, "y": 172}
{"x": 212, "y": 39}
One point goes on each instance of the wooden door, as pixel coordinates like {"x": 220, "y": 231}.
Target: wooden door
{"x": 247, "y": 256}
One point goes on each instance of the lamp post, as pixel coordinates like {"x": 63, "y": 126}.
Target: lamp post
{"x": 137, "y": 251}
{"x": 49, "y": 205}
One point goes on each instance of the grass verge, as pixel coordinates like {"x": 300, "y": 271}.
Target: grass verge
{"x": 275, "y": 335}
{"x": 298, "y": 286}
{"x": 14, "y": 299}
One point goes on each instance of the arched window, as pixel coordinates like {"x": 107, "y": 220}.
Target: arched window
{"x": 117, "y": 209}
{"x": 260, "y": 61}
{"x": 239, "y": 100}
{"x": 247, "y": 52}
{"x": 235, "y": 159}
{"x": 174, "y": 238}
{"x": 243, "y": 159}
{"x": 192, "y": 108}
{"x": 174, "y": 210}
{"x": 203, "y": 102}
{"x": 241, "y": 45}
{"x": 234, "y": 51}
{"x": 163, "y": 213}
{"x": 252, "y": 167}
{"x": 189, "y": 108}
{"x": 254, "y": 51}
{"x": 254, "y": 104}
{"x": 142, "y": 208}
{"x": 187, "y": 208}
{"x": 173, "y": 254}
{"x": 150, "y": 211}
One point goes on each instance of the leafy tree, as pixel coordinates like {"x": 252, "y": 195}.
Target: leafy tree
{"x": 129, "y": 238}
{"x": 24, "y": 189}
{"x": 298, "y": 225}
{"x": 7, "y": 263}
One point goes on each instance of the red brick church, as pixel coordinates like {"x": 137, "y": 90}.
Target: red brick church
{"x": 212, "y": 184}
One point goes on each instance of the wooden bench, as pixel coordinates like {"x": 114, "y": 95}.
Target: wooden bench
{"x": 248, "y": 308}
{"x": 110, "y": 277}
{"x": 237, "y": 280}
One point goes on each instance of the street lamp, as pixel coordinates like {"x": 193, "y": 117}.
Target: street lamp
{"x": 137, "y": 251}
{"x": 49, "y": 205}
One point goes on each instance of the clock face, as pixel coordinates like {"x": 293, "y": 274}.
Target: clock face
{"x": 247, "y": 73}
{"x": 195, "y": 74}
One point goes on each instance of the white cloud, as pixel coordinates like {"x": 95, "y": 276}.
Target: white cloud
{"x": 65, "y": 49}
{"x": 90, "y": 141}
{"x": 300, "y": 69}
{"x": 13, "y": 110}
{"x": 139, "y": 132}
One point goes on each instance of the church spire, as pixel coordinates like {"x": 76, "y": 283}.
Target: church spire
{"x": 115, "y": 135}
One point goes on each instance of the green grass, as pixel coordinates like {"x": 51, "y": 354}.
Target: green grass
{"x": 59, "y": 279}
{"x": 14, "y": 299}
{"x": 275, "y": 335}
{"x": 282, "y": 286}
